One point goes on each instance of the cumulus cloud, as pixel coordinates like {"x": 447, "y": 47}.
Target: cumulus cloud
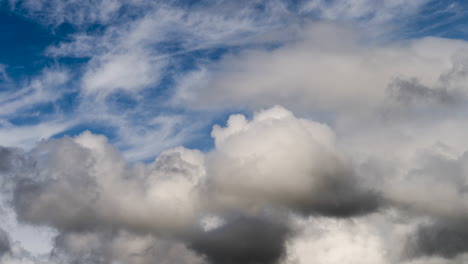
{"x": 85, "y": 189}
{"x": 104, "y": 190}
{"x": 277, "y": 158}
{"x": 274, "y": 188}
{"x": 274, "y": 160}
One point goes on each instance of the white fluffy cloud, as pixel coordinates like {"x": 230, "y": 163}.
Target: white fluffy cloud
{"x": 277, "y": 158}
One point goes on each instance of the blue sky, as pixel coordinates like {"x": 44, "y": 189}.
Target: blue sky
{"x": 58, "y": 46}
{"x": 211, "y": 83}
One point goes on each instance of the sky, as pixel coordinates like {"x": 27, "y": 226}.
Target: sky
{"x": 233, "y": 132}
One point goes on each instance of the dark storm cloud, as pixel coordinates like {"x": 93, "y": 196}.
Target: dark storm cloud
{"x": 244, "y": 239}
{"x": 342, "y": 202}
{"x": 445, "y": 239}
{"x": 341, "y": 195}
{"x": 4, "y": 242}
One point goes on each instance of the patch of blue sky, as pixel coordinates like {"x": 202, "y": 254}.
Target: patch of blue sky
{"x": 34, "y": 115}
{"x": 22, "y": 45}
{"x": 94, "y": 127}
{"x": 446, "y": 19}
{"x": 182, "y": 51}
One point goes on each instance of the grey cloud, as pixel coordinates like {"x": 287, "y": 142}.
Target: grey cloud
{"x": 276, "y": 162}
{"x": 444, "y": 239}
{"x": 244, "y": 239}
{"x": 65, "y": 211}
{"x": 444, "y": 177}
{"x": 56, "y": 192}
{"x": 5, "y": 159}
{"x": 341, "y": 198}
{"x": 435, "y": 189}
{"x": 12, "y": 161}
{"x": 84, "y": 183}
{"x": 457, "y": 75}
{"x": 4, "y": 242}
{"x": 411, "y": 91}
{"x": 102, "y": 247}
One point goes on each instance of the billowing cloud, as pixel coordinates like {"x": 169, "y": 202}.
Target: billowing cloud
{"x": 243, "y": 240}
{"x": 237, "y": 202}
{"x": 85, "y": 189}
{"x": 104, "y": 190}
{"x": 277, "y": 158}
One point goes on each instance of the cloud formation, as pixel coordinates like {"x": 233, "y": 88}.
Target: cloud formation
{"x": 277, "y": 158}
{"x": 350, "y": 146}
{"x": 276, "y": 161}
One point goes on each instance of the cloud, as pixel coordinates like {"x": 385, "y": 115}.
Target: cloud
{"x": 53, "y": 194}
{"x": 379, "y": 120}
{"x": 14, "y": 253}
{"x": 27, "y": 136}
{"x": 319, "y": 72}
{"x": 4, "y": 243}
{"x": 38, "y": 90}
{"x": 77, "y": 13}
{"x": 243, "y": 240}
{"x": 278, "y": 159}
{"x": 330, "y": 241}
{"x": 274, "y": 160}
{"x": 84, "y": 188}
{"x": 6, "y": 159}
{"x": 124, "y": 247}
{"x": 411, "y": 91}
{"x": 444, "y": 239}
{"x": 126, "y": 71}
{"x": 262, "y": 174}
{"x": 380, "y": 11}
{"x": 432, "y": 171}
